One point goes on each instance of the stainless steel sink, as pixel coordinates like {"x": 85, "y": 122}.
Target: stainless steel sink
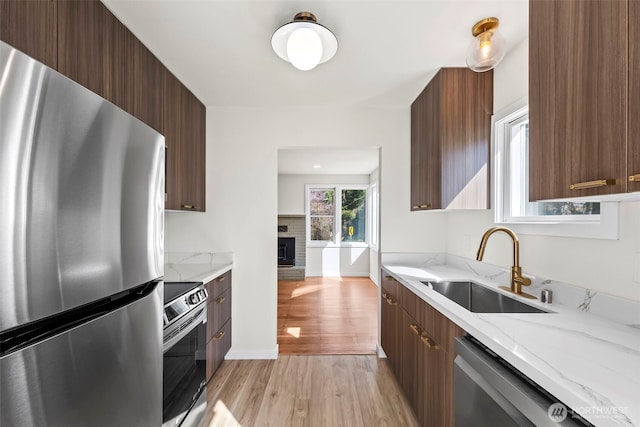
{"x": 480, "y": 299}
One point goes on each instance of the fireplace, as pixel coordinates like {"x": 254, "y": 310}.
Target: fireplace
{"x": 286, "y": 251}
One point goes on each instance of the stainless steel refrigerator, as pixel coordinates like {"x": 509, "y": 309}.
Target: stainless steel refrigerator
{"x": 81, "y": 255}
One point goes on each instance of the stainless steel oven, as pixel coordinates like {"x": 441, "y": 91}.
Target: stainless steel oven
{"x": 184, "y": 354}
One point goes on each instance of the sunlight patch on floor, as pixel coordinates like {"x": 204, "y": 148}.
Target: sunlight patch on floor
{"x": 294, "y": 332}
{"x": 222, "y": 416}
{"x": 309, "y": 289}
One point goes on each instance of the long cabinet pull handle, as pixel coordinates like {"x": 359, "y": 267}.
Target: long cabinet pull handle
{"x": 415, "y": 207}
{"x": 592, "y": 184}
{"x": 220, "y": 300}
{"x": 390, "y": 301}
{"x": 393, "y": 279}
{"x": 188, "y": 207}
{"x": 634, "y": 178}
{"x": 218, "y": 335}
{"x": 415, "y": 328}
{"x": 220, "y": 279}
{"x": 428, "y": 342}
{"x": 427, "y": 206}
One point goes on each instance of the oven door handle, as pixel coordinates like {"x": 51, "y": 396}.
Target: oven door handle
{"x": 200, "y": 318}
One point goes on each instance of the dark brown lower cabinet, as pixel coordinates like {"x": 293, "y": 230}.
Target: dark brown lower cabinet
{"x": 391, "y": 325}
{"x": 424, "y": 353}
{"x": 413, "y": 376}
{"x": 218, "y": 321}
{"x": 217, "y": 348}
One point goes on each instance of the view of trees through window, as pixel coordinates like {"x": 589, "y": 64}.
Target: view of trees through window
{"x": 322, "y": 213}
{"x": 350, "y": 212}
{"x": 353, "y": 215}
{"x": 568, "y": 208}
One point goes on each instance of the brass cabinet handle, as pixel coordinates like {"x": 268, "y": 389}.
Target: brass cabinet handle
{"x": 429, "y": 342}
{"x": 393, "y": 279}
{"x": 389, "y": 299}
{"x": 219, "y": 335}
{"x": 415, "y": 328}
{"x": 427, "y": 206}
{"x": 220, "y": 279}
{"x": 634, "y": 178}
{"x": 415, "y": 207}
{"x": 592, "y": 184}
{"x": 188, "y": 207}
{"x": 220, "y": 300}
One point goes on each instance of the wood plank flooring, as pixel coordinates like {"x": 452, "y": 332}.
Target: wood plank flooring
{"x": 327, "y": 315}
{"x": 310, "y": 391}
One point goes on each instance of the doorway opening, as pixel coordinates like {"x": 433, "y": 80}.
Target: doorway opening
{"x": 328, "y": 209}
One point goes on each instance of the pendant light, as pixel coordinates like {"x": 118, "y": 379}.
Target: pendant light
{"x": 304, "y": 43}
{"x": 488, "y": 46}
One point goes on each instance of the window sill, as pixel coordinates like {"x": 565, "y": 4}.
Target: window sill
{"x": 339, "y": 245}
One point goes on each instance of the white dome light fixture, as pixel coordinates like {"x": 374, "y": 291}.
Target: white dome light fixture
{"x": 304, "y": 43}
{"x": 487, "y": 48}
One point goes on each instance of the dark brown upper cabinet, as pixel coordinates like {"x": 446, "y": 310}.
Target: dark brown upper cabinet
{"x": 30, "y": 26}
{"x": 450, "y": 141}
{"x": 184, "y": 125}
{"x": 96, "y": 50}
{"x": 148, "y": 93}
{"x": 633, "y": 144}
{"x": 579, "y": 97}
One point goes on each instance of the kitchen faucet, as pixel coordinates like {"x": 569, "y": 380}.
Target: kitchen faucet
{"x": 517, "y": 281}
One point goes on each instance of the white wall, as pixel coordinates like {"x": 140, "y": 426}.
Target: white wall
{"x": 242, "y": 204}
{"x": 328, "y": 261}
{"x": 603, "y": 265}
{"x": 374, "y": 253}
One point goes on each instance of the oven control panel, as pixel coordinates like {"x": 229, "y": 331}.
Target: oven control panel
{"x": 184, "y": 303}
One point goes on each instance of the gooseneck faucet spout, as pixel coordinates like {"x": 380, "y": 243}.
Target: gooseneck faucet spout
{"x": 517, "y": 281}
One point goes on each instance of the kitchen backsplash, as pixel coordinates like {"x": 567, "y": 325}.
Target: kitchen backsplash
{"x": 608, "y": 306}
{"x": 198, "y": 257}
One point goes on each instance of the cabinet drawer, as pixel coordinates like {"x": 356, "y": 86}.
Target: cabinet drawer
{"x": 439, "y": 327}
{"x": 390, "y": 286}
{"x": 411, "y": 303}
{"x": 434, "y": 323}
{"x": 217, "y": 348}
{"x": 218, "y": 312}
{"x": 219, "y": 285}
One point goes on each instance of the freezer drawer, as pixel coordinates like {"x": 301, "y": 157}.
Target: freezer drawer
{"x": 107, "y": 372}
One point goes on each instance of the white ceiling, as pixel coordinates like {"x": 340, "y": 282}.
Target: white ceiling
{"x": 332, "y": 161}
{"x": 388, "y": 50}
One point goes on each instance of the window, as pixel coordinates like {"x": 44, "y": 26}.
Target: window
{"x": 511, "y": 189}
{"x": 321, "y": 214}
{"x": 337, "y": 220}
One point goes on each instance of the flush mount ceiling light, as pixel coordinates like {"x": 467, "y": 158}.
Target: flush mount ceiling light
{"x": 487, "y": 48}
{"x": 303, "y": 42}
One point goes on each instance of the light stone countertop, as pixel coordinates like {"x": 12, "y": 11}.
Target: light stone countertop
{"x": 587, "y": 361}
{"x": 196, "y": 267}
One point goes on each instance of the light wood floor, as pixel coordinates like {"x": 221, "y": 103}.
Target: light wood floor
{"x": 323, "y": 315}
{"x": 312, "y": 391}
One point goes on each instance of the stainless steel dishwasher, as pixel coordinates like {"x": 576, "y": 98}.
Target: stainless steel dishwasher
{"x": 490, "y": 392}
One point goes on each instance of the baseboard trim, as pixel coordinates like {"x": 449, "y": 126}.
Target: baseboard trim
{"x": 381, "y": 352}
{"x": 252, "y": 354}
